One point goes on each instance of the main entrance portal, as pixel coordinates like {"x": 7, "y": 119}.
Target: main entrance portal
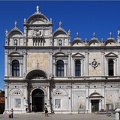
{"x": 95, "y": 105}
{"x": 38, "y": 100}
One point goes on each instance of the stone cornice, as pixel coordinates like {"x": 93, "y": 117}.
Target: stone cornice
{"x": 63, "y": 47}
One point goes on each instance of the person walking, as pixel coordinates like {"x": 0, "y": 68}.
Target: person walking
{"x": 11, "y": 115}
{"x": 46, "y": 112}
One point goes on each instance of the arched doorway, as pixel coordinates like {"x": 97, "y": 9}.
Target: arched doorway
{"x": 38, "y": 100}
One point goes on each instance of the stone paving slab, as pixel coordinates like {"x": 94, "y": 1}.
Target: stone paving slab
{"x": 41, "y": 116}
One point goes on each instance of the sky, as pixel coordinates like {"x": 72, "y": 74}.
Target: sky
{"x": 84, "y": 17}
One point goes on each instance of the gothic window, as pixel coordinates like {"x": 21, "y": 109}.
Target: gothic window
{"x": 15, "y": 68}
{"x": 60, "y": 68}
{"x": 111, "y": 67}
{"x": 77, "y": 68}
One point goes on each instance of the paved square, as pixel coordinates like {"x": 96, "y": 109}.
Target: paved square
{"x": 41, "y": 116}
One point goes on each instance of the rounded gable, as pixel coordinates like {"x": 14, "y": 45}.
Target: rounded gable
{"x": 37, "y": 16}
{"x": 14, "y": 53}
{"x": 93, "y": 41}
{"x": 110, "y": 41}
{"x": 37, "y": 73}
{"x": 14, "y": 32}
{"x": 59, "y": 31}
{"x": 77, "y": 40}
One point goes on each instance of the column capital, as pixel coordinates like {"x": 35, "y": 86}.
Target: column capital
{"x": 24, "y": 52}
{"x": 6, "y": 52}
{"x": 86, "y": 52}
{"x": 51, "y": 53}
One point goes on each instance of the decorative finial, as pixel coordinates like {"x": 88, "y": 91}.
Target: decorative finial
{"x": 77, "y": 35}
{"x": 16, "y": 25}
{"x": 37, "y": 8}
{"x": 60, "y": 24}
{"x": 118, "y": 33}
{"x": 94, "y": 35}
{"x": 24, "y": 20}
{"x": 50, "y": 20}
{"x": 110, "y": 34}
{"x": 86, "y": 40}
{"x": 69, "y": 32}
{"x": 6, "y": 32}
{"x": 102, "y": 40}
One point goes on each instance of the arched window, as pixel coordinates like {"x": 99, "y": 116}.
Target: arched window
{"x": 60, "y": 68}
{"x": 15, "y": 42}
{"x": 110, "y": 67}
{"x": 15, "y": 68}
{"x": 60, "y": 42}
{"x": 77, "y": 68}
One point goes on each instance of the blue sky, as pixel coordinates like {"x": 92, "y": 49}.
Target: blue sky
{"x": 78, "y": 16}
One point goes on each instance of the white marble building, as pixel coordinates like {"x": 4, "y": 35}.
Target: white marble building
{"x": 44, "y": 68}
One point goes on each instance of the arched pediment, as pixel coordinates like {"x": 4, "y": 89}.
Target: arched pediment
{"x": 59, "y": 32}
{"x": 93, "y": 42}
{"x": 95, "y": 95}
{"x": 59, "y": 54}
{"x": 40, "y": 88}
{"x": 15, "y": 32}
{"x": 15, "y": 54}
{"x": 15, "y": 92}
{"x": 36, "y": 74}
{"x": 110, "y": 42}
{"x": 37, "y": 16}
{"x": 77, "y": 41}
{"x": 60, "y": 92}
{"x": 37, "y": 21}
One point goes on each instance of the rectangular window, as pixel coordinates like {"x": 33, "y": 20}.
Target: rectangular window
{"x": 57, "y": 103}
{"x": 111, "y": 67}
{"x": 17, "y": 103}
{"x": 77, "y": 68}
